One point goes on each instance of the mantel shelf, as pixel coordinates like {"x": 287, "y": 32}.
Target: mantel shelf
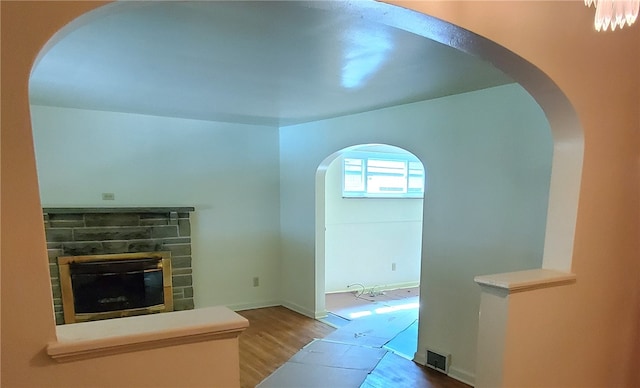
{"x": 124, "y": 209}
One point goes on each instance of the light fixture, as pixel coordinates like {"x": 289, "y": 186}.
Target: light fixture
{"x": 614, "y": 13}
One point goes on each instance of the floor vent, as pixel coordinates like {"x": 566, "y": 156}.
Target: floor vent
{"x": 438, "y": 361}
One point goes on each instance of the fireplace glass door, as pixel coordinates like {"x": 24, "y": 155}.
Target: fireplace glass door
{"x": 116, "y": 285}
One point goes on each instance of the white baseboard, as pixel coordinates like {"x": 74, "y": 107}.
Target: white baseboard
{"x": 462, "y": 375}
{"x": 420, "y": 358}
{"x": 251, "y": 306}
{"x": 378, "y": 287}
{"x": 299, "y": 309}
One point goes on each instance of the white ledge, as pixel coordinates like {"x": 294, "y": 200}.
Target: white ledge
{"x": 78, "y": 341}
{"x": 526, "y": 280}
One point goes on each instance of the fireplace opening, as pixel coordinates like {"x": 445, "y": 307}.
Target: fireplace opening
{"x": 116, "y": 285}
{"x": 108, "y": 286}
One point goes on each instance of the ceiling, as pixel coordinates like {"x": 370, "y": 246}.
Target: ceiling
{"x": 264, "y": 62}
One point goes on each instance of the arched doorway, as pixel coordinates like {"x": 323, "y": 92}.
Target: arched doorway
{"x": 369, "y": 207}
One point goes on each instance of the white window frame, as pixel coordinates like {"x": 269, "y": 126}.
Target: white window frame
{"x": 382, "y": 175}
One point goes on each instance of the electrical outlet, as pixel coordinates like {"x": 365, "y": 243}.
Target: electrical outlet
{"x": 256, "y": 281}
{"x": 393, "y": 266}
{"x": 108, "y": 196}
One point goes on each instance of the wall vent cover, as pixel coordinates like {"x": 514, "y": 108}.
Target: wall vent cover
{"x": 438, "y": 361}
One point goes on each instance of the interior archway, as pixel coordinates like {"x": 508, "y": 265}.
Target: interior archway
{"x": 564, "y": 123}
{"x": 402, "y": 246}
{"x": 565, "y": 127}
{"x": 567, "y": 134}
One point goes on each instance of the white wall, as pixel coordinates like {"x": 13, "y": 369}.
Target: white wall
{"x": 488, "y": 155}
{"x": 364, "y": 236}
{"x": 228, "y": 172}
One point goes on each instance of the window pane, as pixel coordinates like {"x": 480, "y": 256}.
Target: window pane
{"x": 353, "y": 175}
{"x": 386, "y": 176}
{"x": 416, "y": 177}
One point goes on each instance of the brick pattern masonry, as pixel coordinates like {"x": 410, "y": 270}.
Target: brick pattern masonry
{"x": 95, "y": 231}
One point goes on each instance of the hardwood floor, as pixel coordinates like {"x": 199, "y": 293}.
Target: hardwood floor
{"x": 275, "y": 334}
{"x": 395, "y": 371}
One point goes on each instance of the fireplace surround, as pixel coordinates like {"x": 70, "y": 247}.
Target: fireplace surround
{"x": 121, "y": 230}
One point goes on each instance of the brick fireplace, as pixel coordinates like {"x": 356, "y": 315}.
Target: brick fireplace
{"x": 101, "y": 231}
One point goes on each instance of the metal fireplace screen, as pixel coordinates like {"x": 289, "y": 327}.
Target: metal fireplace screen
{"x": 118, "y": 285}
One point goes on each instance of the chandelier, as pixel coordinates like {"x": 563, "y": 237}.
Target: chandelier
{"x": 614, "y": 13}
